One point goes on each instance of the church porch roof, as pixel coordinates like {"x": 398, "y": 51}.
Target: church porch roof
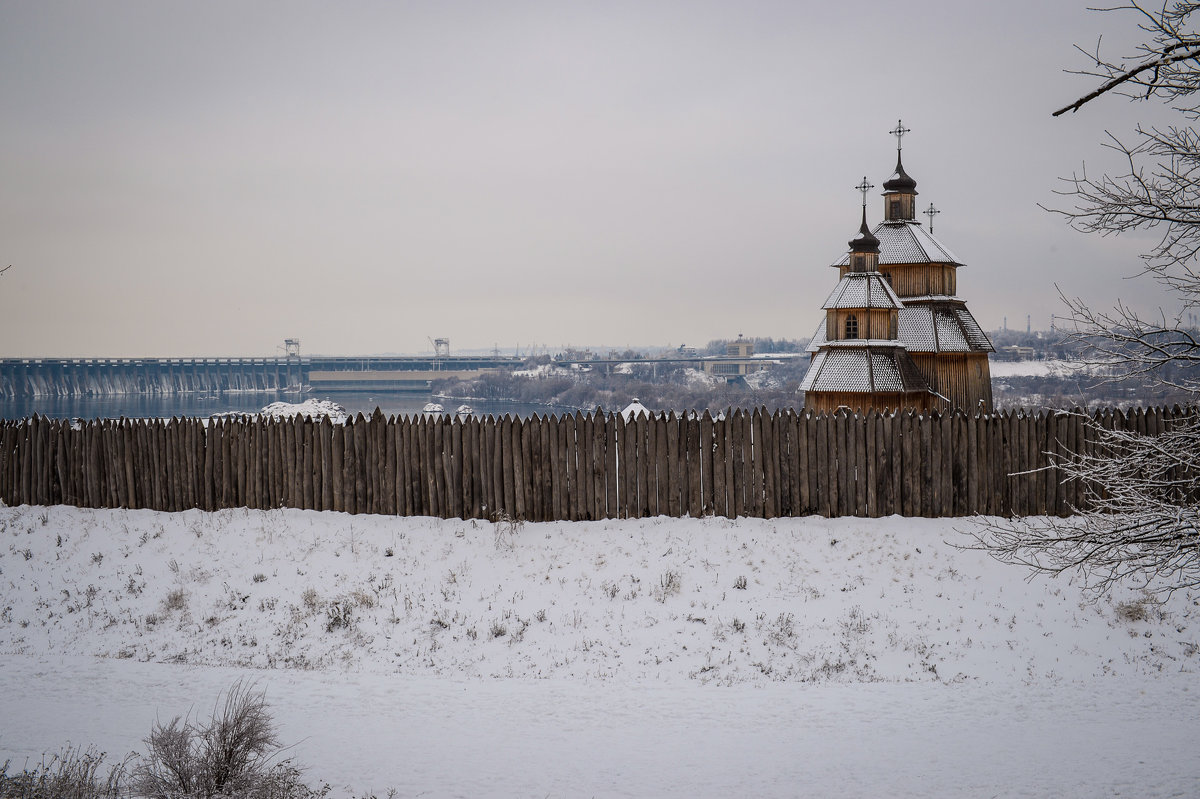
{"x": 863, "y": 366}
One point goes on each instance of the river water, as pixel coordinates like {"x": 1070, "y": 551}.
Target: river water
{"x": 147, "y": 406}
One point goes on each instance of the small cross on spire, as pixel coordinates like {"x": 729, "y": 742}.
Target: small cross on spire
{"x": 865, "y": 187}
{"x": 899, "y": 132}
{"x": 931, "y": 212}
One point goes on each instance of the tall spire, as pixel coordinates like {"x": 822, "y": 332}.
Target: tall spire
{"x": 865, "y": 241}
{"x": 903, "y": 206}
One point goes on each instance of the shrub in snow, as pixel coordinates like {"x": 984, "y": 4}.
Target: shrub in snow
{"x": 75, "y": 773}
{"x": 338, "y": 617}
{"x": 231, "y": 755}
{"x": 176, "y": 600}
{"x": 506, "y": 529}
{"x": 669, "y": 584}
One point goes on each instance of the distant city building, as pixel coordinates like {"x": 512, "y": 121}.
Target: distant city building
{"x": 1015, "y": 352}
{"x": 742, "y": 348}
{"x": 746, "y": 363}
{"x": 574, "y": 354}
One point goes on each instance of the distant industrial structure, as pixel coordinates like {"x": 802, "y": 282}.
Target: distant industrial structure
{"x": 82, "y": 377}
{"x": 25, "y": 377}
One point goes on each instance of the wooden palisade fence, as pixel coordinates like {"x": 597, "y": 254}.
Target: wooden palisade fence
{"x": 744, "y": 463}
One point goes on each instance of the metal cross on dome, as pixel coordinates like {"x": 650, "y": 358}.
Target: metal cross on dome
{"x": 899, "y": 132}
{"x": 931, "y": 212}
{"x": 865, "y": 187}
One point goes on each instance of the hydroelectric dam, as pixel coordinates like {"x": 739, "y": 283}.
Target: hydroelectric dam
{"x": 81, "y": 377}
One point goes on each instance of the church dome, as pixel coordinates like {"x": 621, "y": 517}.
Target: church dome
{"x": 865, "y": 241}
{"x": 900, "y": 180}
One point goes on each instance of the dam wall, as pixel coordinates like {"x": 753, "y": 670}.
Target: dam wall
{"x": 53, "y": 377}
{"x": 83, "y": 377}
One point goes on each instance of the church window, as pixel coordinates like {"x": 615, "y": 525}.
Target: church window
{"x": 895, "y": 210}
{"x": 851, "y": 326}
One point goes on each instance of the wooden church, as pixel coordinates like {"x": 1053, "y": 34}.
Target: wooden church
{"x": 895, "y": 333}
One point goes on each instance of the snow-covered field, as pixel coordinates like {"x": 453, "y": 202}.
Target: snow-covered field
{"x": 1044, "y": 368}
{"x": 657, "y": 657}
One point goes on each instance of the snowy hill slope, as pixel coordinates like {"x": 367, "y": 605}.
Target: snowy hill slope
{"x": 661, "y": 600}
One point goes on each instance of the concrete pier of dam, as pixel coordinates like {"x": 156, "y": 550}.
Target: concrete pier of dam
{"x": 63, "y": 377}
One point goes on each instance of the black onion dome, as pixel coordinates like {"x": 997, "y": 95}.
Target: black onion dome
{"x": 865, "y": 241}
{"x": 900, "y": 180}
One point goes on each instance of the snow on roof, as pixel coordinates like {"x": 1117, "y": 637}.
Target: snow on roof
{"x": 636, "y": 408}
{"x": 862, "y": 290}
{"x": 929, "y": 328}
{"x": 925, "y": 328}
{"x": 859, "y": 365}
{"x": 907, "y": 242}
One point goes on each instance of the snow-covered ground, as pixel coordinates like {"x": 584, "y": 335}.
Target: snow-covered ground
{"x": 543, "y": 370}
{"x": 312, "y": 408}
{"x": 458, "y": 658}
{"x": 1046, "y": 368}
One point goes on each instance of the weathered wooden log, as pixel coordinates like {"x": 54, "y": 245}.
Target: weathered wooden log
{"x": 675, "y": 466}
{"x": 495, "y": 479}
{"x": 785, "y": 445}
{"x": 720, "y": 495}
{"x": 606, "y": 459}
{"x": 472, "y": 459}
{"x": 402, "y": 433}
{"x": 586, "y": 432}
{"x": 645, "y": 460}
{"x": 580, "y": 465}
{"x": 857, "y": 422}
{"x": 505, "y": 449}
{"x": 933, "y": 486}
{"x": 844, "y": 455}
{"x": 624, "y": 457}
{"x": 752, "y": 448}
{"x": 765, "y": 436}
{"x": 545, "y": 482}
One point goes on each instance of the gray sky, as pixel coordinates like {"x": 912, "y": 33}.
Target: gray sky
{"x": 190, "y": 179}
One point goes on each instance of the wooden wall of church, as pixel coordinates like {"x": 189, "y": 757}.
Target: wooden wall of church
{"x": 964, "y": 379}
{"x": 831, "y": 401}
{"x": 878, "y": 323}
{"x": 919, "y": 280}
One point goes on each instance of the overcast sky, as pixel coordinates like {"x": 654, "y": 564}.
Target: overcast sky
{"x": 200, "y": 179}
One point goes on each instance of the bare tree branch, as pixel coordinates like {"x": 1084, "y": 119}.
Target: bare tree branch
{"x": 1140, "y": 519}
{"x": 1140, "y": 522}
{"x": 1163, "y": 66}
